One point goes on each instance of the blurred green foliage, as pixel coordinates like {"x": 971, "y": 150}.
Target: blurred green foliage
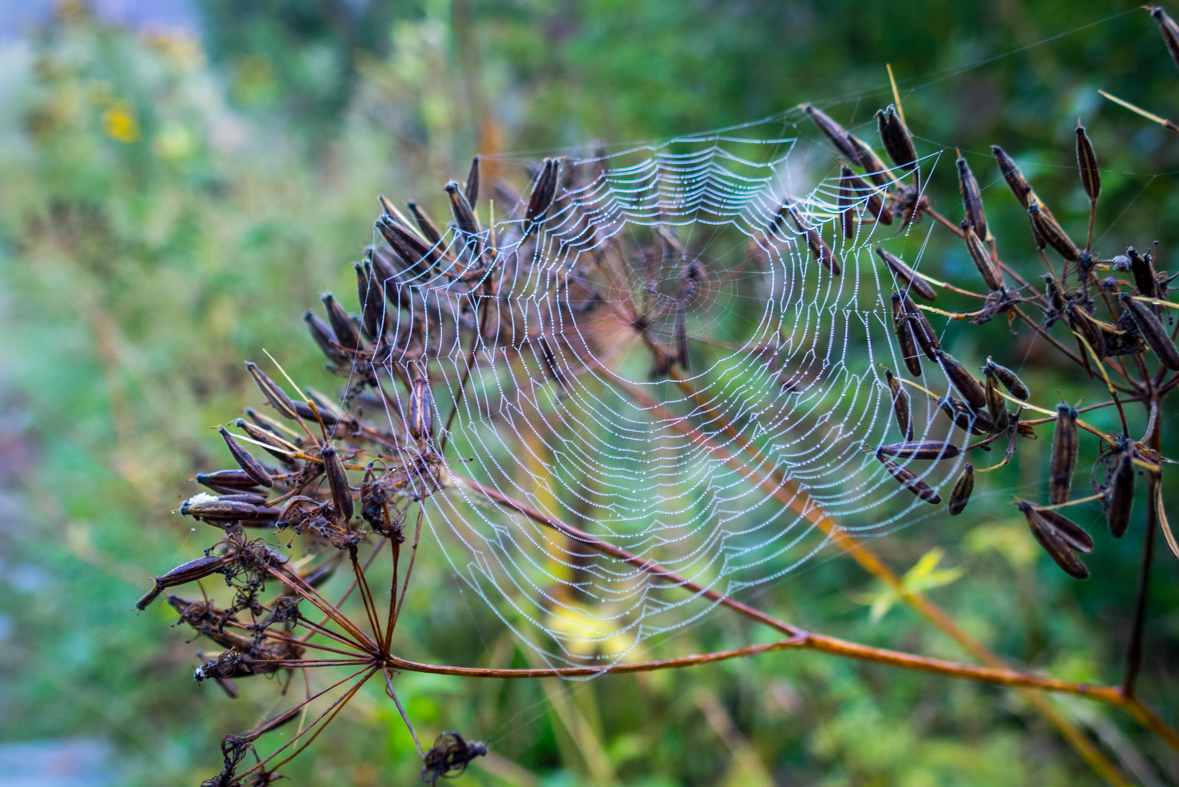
{"x": 169, "y": 205}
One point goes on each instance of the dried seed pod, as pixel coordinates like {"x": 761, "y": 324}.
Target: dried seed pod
{"x": 236, "y": 480}
{"x": 963, "y": 381}
{"x": 1055, "y": 297}
{"x": 325, "y": 338}
{"x": 981, "y": 257}
{"x": 1078, "y": 320}
{"x": 1064, "y": 454}
{"x": 900, "y": 405}
{"x": 1015, "y": 180}
{"x": 846, "y": 203}
{"x": 542, "y": 196}
{"x": 183, "y": 574}
{"x": 347, "y": 334}
{"x": 963, "y": 488}
{"x": 217, "y": 509}
{"x": 920, "y": 449}
{"x": 922, "y": 331}
{"x": 372, "y": 301}
{"x": 421, "y": 409}
{"x": 273, "y": 444}
{"x": 337, "y": 478}
{"x": 1052, "y": 542}
{"x": 244, "y": 497}
{"x": 814, "y": 240}
{"x": 895, "y": 136}
{"x": 859, "y": 189}
{"x": 270, "y": 425}
{"x": 471, "y": 189}
{"x": 274, "y": 395}
{"x": 1142, "y": 266}
{"x": 996, "y": 406}
{"x": 325, "y": 404}
{"x": 316, "y": 414}
{"x": 1121, "y": 495}
{"x": 252, "y": 467}
{"x": 1067, "y": 530}
{"x": 1169, "y": 30}
{"x": 973, "y": 421}
{"x": 460, "y": 208}
{"x": 906, "y": 275}
{"x": 1051, "y": 233}
{"x": 1152, "y": 331}
{"x": 972, "y": 200}
{"x": 427, "y": 226}
{"x": 904, "y": 333}
{"x": 873, "y": 167}
{"x": 1010, "y": 381}
{"x": 1087, "y": 163}
{"x": 910, "y": 481}
{"x": 835, "y": 132}
{"x": 416, "y": 256}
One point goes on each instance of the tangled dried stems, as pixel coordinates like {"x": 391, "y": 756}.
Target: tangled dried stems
{"x": 1113, "y": 310}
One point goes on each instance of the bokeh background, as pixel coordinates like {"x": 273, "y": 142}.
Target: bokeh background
{"x": 179, "y": 180}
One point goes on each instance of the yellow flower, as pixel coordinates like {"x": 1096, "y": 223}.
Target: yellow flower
{"x": 119, "y": 124}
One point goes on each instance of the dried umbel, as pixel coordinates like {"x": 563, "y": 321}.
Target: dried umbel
{"x": 483, "y": 330}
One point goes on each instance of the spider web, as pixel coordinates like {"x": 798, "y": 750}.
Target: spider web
{"x": 719, "y": 475}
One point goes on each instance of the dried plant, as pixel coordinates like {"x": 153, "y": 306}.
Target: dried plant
{"x": 464, "y": 331}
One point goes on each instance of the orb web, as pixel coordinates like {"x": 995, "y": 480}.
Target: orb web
{"x": 662, "y": 362}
